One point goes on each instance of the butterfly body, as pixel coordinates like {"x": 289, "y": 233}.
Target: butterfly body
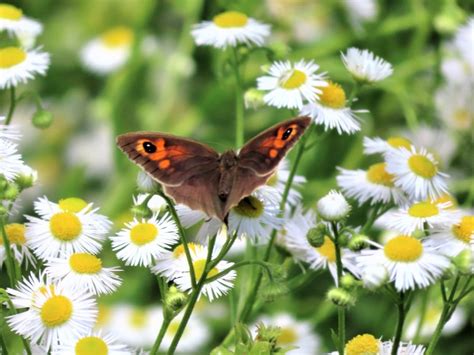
{"x": 199, "y": 177}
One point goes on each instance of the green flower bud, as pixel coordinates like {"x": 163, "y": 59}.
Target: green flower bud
{"x": 11, "y": 192}
{"x": 141, "y": 211}
{"x": 464, "y": 262}
{"x": 27, "y": 178}
{"x": 42, "y": 119}
{"x": 348, "y": 282}
{"x": 340, "y": 297}
{"x": 316, "y": 235}
{"x": 175, "y": 300}
{"x": 253, "y": 98}
{"x": 357, "y": 242}
{"x": 3, "y": 211}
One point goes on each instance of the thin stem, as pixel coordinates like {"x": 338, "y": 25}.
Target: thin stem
{"x": 8, "y": 251}
{"x": 353, "y": 93}
{"x": 400, "y": 321}
{"x": 12, "y": 106}
{"x": 341, "y": 311}
{"x": 239, "y": 102}
{"x": 235, "y": 266}
{"x": 159, "y": 338}
{"x": 437, "y": 333}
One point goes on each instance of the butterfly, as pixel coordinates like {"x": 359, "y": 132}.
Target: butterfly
{"x": 196, "y": 175}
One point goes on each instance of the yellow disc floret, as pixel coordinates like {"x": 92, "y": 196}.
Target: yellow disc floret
{"x": 293, "y": 79}
{"x": 84, "y": 263}
{"x": 378, "y": 174}
{"x": 15, "y": 233}
{"x": 423, "y": 210}
{"x": 11, "y": 56}
{"x": 117, "y": 37}
{"x": 287, "y": 336}
{"x": 365, "y": 344}
{"x": 230, "y": 19}
{"x": 138, "y": 318}
{"x": 250, "y": 207}
{"x": 10, "y": 12}
{"x": 333, "y": 96}
{"x": 91, "y": 346}
{"x": 422, "y": 166}
{"x": 65, "y": 226}
{"x": 56, "y": 311}
{"x": 399, "y": 142}
{"x": 328, "y": 249}
{"x": 72, "y": 204}
{"x": 403, "y": 248}
{"x": 464, "y": 230}
{"x": 199, "y": 266}
{"x": 143, "y": 233}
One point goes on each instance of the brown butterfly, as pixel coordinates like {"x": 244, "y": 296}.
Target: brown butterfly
{"x": 197, "y": 176}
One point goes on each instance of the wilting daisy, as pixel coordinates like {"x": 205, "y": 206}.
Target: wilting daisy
{"x": 108, "y": 52}
{"x": 254, "y": 217}
{"x": 364, "y": 66}
{"x": 212, "y": 289}
{"x": 374, "y": 185}
{"x": 331, "y": 112}
{"x": 378, "y": 145}
{"x": 410, "y": 263}
{"x": 10, "y": 161}
{"x": 93, "y": 343}
{"x": 413, "y": 217}
{"x": 17, "y": 65}
{"x": 57, "y": 313}
{"x": 455, "y": 237}
{"x": 143, "y": 241}
{"x": 85, "y": 271}
{"x": 289, "y": 84}
{"x": 13, "y": 21}
{"x": 168, "y": 265}
{"x": 230, "y": 28}
{"x": 293, "y": 333}
{"x": 416, "y": 173}
{"x": 17, "y": 238}
{"x": 333, "y": 206}
{"x": 68, "y": 227}
{"x": 323, "y": 257}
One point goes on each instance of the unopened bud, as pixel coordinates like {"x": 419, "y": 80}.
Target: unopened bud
{"x": 348, "y": 282}
{"x": 464, "y": 262}
{"x": 333, "y": 207}
{"x": 11, "y": 192}
{"x": 42, "y": 119}
{"x": 175, "y": 299}
{"x": 316, "y": 235}
{"x": 357, "y": 242}
{"x": 340, "y": 297}
{"x": 27, "y": 178}
{"x": 3, "y": 211}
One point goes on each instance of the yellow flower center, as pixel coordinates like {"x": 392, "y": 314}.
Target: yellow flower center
{"x": 447, "y": 198}
{"x": 365, "y": 344}
{"x": 403, "y": 248}
{"x": 328, "y": 249}
{"x": 179, "y": 250}
{"x": 423, "y": 210}
{"x": 56, "y": 311}
{"x": 422, "y": 166}
{"x": 117, "y": 37}
{"x": 377, "y": 174}
{"x": 333, "y": 96}
{"x": 287, "y": 336}
{"x": 399, "y": 142}
{"x": 10, "y": 12}
{"x": 250, "y": 207}
{"x": 230, "y": 19}
{"x": 15, "y": 233}
{"x": 65, "y": 226}
{"x": 103, "y": 316}
{"x": 72, "y": 204}
{"x": 461, "y": 117}
{"x": 84, "y": 263}
{"x": 11, "y": 56}
{"x": 465, "y": 229}
{"x": 91, "y": 346}
{"x": 199, "y": 265}
{"x": 293, "y": 79}
{"x": 138, "y": 318}
{"x": 143, "y": 233}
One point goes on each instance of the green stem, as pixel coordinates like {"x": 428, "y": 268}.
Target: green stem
{"x": 437, "y": 333}
{"x": 424, "y": 308}
{"x": 239, "y": 102}
{"x": 159, "y": 338}
{"x": 11, "y": 268}
{"x": 263, "y": 265}
{"x": 12, "y": 106}
{"x": 400, "y": 323}
{"x": 353, "y": 93}
{"x": 3, "y": 344}
{"x": 341, "y": 311}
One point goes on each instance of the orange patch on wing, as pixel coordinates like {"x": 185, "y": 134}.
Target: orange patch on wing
{"x": 164, "y": 164}
{"x": 273, "y": 153}
{"x": 158, "y": 155}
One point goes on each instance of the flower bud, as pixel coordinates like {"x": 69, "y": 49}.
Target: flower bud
{"x": 316, "y": 235}
{"x": 357, "y": 242}
{"x": 3, "y": 211}
{"x": 27, "y": 178}
{"x": 11, "y": 192}
{"x": 141, "y": 211}
{"x": 253, "y": 98}
{"x": 340, "y": 297}
{"x": 333, "y": 207}
{"x": 464, "y": 262}
{"x": 348, "y": 282}
{"x": 42, "y": 119}
{"x": 175, "y": 300}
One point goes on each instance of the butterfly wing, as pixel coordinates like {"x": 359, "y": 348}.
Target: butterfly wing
{"x": 188, "y": 170}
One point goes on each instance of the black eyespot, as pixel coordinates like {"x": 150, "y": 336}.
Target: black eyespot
{"x": 287, "y": 133}
{"x": 149, "y": 147}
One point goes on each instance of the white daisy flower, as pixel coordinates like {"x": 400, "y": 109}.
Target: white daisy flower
{"x": 68, "y": 227}
{"x": 374, "y": 185}
{"x": 464, "y": 40}
{"x": 155, "y": 203}
{"x": 13, "y": 21}
{"x": 454, "y": 106}
{"x": 416, "y": 173}
{"x": 411, "y": 218}
{"x": 366, "y": 67}
{"x": 290, "y": 84}
{"x": 331, "y": 112}
{"x": 17, "y": 65}
{"x": 456, "y": 237}
{"x": 324, "y": 257}
{"x": 410, "y": 263}
{"x": 8, "y": 132}
{"x": 297, "y": 334}
{"x": 10, "y": 161}
{"x": 254, "y": 217}
{"x": 213, "y": 289}
{"x": 403, "y": 348}
{"x": 141, "y": 242}
{"x": 361, "y": 11}
{"x": 57, "y": 313}
{"x": 28, "y": 288}
{"x": 92, "y": 344}
{"x": 168, "y": 264}
{"x": 109, "y": 52}
{"x": 333, "y": 207}
{"x": 85, "y": 271}
{"x": 230, "y": 28}
{"x": 195, "y": 335}
{"x": 18, "y": 244}
{"x": 377, "y": 145}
